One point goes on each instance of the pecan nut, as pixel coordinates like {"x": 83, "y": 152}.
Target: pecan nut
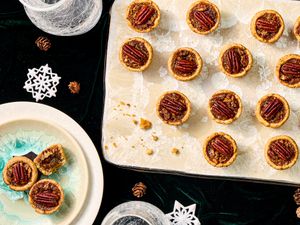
{"x": 134, "y": 54}
{"x": 144, "y": 14}
{"x": 47, "y": 199}
{"x": 185, "y": 66}
{"x": 272, "y": 108}
{"x": 221, "y": 108}
{"x": 222, "y": 147}
{"x": 281, "y": 151}
{"x": 233, "y": 60}
{"x": 204, "y": 19}
{"x": 173, "y": 106}
{"x": 267, "y": 26}
{"x": 19, "y": 174}
{"x": 291, "y": 69}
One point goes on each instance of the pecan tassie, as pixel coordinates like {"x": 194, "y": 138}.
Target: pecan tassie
{"x": 288, "y": 70}
{"x": 143, "y": 15}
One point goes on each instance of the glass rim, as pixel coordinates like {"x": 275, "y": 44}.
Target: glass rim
{"x": 40, "y": 9}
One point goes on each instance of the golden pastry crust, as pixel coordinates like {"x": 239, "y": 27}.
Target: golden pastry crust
{"x": 293, "y": 160}
{"x": 28, "y": 169}
{"x": 278, "y": 72}
{"x": 238, "y": 113}
{"x": 296, "y": 29}
{"x": 234, "y": 149}
{"x": 213, "y": 28}
{"x": 243, "y": 50}
{"x": 155, "y": 23}
{"x": 185, "y": 77}
{"x": 276, "y": 36}
{"x": 36, "y": 189}
{"x": 286, "y": 108}
{"x": 186, "y": 113}
{"x": 150, "y": 54}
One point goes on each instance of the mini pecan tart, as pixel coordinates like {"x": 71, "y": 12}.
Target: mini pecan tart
{"x": 225, "y": 107}
{"x": 143, "y": 15}
{"x": 49, "y": 160}
{"x": 281, "y": 152}
{"x": 173, "y": 108}
{"x": 46, "y": 196}
{"x": 185, "y": 64}
{"x": 297, "y": 29}
{"x": 203, "y": 17}
{"x": 235, "y": 60}
{"x": 267, "y": 26}
{"x": 272, "y": 110}
{"x": 136, "y": 54}
{"x": 20, "y": 173}
{"x": 220, "y": 149}
{"x": 288, "y": 70}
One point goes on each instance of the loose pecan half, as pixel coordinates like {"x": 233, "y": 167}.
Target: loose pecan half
{"x": 47, "y": 199}
{"x": 272, "y": 108}
{"x": 266, "y": 25}
{"x": 134, "y": 54}
{"x": 185, "y": 66}
{"x": 222, "y": 147}
{"x": 204, "y": 19}
{"x": 221, "y": 108}
{"x": 144, "y": 14}
{"x": 173, "y": 106}
{"x": 19, "y": 174}
{"x": 233, "y": 60}
{"x": 281, "y": 150}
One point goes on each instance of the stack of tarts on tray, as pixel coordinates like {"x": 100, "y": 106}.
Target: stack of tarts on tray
{"x": 235, "y": 60}
{"x": 22, "y": 173}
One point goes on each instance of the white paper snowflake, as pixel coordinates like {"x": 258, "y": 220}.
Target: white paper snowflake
{"x": 41, "y": 82}
{"x": 183, "y": 215}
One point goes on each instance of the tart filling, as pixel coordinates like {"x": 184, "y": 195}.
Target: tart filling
{"x": 235, "y": 60}
{"x": 220, "y": 150}
{"x": 46, "y": 196}
{"x": 267, "y": 26}
{"x": 49, "y": 160}
{"x": 203, "y": 17}
{"x": 281, "y": 152}
{"x": 185, "y": 64}
{"x": 225, "y": 106}
{"x": 173, "y": 108}
{"x": 143, "y": 15}
{"x": 288, "y": 70}
{"x": 136, "y": 54}
{"x": 297, "y": 29}
{"x": 20, "y": 173}
{"x": 272, "y": 110}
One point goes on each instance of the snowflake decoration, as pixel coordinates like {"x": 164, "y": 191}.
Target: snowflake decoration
{"x": 183, "y": 215}
{"x": 41, "y": 82}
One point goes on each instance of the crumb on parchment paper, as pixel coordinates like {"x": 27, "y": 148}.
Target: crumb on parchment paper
{"x": 145, "y": 124}
{"x": 149, "y": 151}
{"x": 155, "y": 138}
{"x": 175, "y": 151}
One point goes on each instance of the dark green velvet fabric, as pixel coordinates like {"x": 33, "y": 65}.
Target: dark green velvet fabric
{"x": 82, "y": 59}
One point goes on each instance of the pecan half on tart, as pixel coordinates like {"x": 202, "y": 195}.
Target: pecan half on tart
{"x": 185, "y": 64}
{"x": 267, "y": 26}
{"x": 46, "y": 196}
{"x": 50, "y": 159}
{"x": 281, "y": 152}
{"x": 297, "y": 29}
{"x": 20, "y": 173}
{"x": 143, "y": 15}
{"x": 220, "y": 149}
{"x": 173, "y": 108}
{"x": 136, "y": 54}
{"x": 235, "y": 60}
{"x": 272, "y": 110}
{"x": 203, "y": 17}
{"x": 225, "y": 107}
{"x": 288, "y": 70}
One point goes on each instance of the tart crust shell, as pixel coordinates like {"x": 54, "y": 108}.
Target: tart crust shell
{"x": 148, "y": 47}
{"x": 187, "y": 114}
{"x": 253, "y": 26}
{"x": 227, "y": 136}
{"x": 281, "y": 61}
{"x": 194, "y": 29}
{"x": 199, "y": 62}
{"x": 297, "y": 24}
{"x": 283, "y": 167}
{"x": 245, "y": 71}
{"x": 239, "y": 112}
{"x": 156, "y": 22}
{"x": 266, "y": 123}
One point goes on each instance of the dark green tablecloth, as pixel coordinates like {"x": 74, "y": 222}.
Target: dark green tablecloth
{"x": 82, "y": 59}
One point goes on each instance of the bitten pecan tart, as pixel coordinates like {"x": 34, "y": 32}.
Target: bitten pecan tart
{"x": 288, "y": 70}
{"x": 185, "y": 64}
{"x": 281, "y": 152}
{"x": 272, "y": 110}
{"x": 136, "y": 54}
{"x": 267, "y": 26}
{"x": 143, "y": 15}
{"x": 220, "y": 149}
{"x": 173, "y": 108}
{"x": 235, "y": 60}
{"x": 20, "y": 173}
{"x": 46, "y": 196}
{"x": 49, "y": 160}
{"x": 297, "y": 29}
{"x": 225, "y": 107}
{"x": 203, "y": 17}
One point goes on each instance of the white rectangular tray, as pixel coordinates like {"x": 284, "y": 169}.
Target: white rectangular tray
{"x": 130, "y": 95}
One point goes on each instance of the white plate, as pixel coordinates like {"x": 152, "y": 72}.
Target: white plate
{"x": 21, "y": 118}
